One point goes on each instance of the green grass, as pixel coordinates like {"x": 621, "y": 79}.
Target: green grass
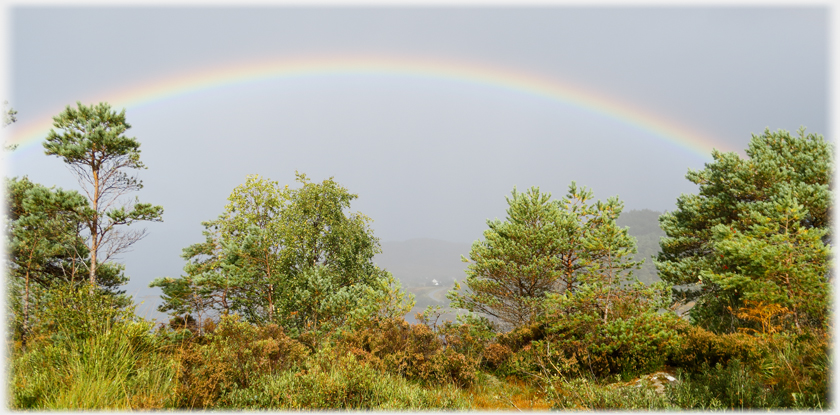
{"x": 118, "y": 370}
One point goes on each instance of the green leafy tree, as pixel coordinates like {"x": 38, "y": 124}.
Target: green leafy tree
{"x": 92, "y": 141}
{"x": 544, "y": 246}
{"x": 204, "y": 288}
{"x": 735, "y": 196}
{"x": 253, "y": 240}
{"x": 319, "y": 232}
{"x": 288, "y": 256}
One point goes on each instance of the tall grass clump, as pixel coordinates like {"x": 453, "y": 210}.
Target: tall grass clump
{"x": 88, "y": 353}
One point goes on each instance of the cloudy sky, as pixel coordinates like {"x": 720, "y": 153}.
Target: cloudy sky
{"x": 430, "y": 115}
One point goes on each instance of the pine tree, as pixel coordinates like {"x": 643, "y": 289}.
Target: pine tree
{"x": 736, "y": 195}
{"x": 777, "y": 261}
{"x": 91, "y": 141}
{"x": 45, "y": 246}
{"x": 543, "y": 247}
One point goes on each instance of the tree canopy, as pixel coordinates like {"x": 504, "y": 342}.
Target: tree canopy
{"x": 92, "y": 141}
{"x": 45, "y": 247}
{"x": 734, "y": 240}
{"x": 543, "y": 246}
{"x": 290, "y": 256}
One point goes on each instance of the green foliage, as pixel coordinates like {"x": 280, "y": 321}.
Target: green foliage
{"x": 737, "y": 370}
{"x": 322, "y": 325}
{"x": 43, "y": 228}
{"x": 731, "y": 386}
{"x": 331, "y": 380}
{"x": 91, "y": 141}
{"x": 43, "y": 240}
{"x": 582, "y": 393}
{"x": 798, "y": 368}
{"x": 412, "y": 351}
{"x": 745, "y": 205}
{"x": 544, "y": 246}
{"x": 287, "y": 256}
{"x": 776, "y": 261}
{"x": 634, "y": 338}
{"x": 233, "y": 356}
{"x": 702, "y": 348}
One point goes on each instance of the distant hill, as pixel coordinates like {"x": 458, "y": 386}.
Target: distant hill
{"x": 644, "y": 226}
{"x": 417, "y": 262}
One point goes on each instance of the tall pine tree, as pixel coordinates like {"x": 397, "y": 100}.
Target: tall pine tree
{"x": 92, "y": 141}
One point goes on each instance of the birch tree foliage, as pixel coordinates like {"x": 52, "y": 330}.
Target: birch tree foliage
{"x": 295, "y": 257}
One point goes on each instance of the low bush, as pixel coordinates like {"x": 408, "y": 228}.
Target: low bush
{"x": 702, "y": 348}
{"x": 797, "y": 368}
{"x": 331, "y": 380}
{"x": 730, "y": 386}
{"x": 625, "y": 346}
{"x": 589, "y": 394}
{"x": 231, "y": 357}
{"x": 412, "y": 351}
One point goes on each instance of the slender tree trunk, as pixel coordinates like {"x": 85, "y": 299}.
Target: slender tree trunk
{"x": 25, "y": 330}
{"x": 94, "y": 224}
{"x": 271, "y": 303}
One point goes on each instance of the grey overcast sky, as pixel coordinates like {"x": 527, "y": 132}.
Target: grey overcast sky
{"x": 430, "y": 157}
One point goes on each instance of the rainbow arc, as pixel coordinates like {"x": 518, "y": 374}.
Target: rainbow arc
{"x": 148, "y": 93}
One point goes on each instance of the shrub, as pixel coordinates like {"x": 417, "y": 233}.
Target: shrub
{"x": 540, "y": 360}
{"x": 783, "y": 370}
{"x": 331, "y": 380}
{"x": 583, "y": 393}
{"x": 731, "y": 386}
{"x": 231, "y": 357}
{"x": 496, "y": 354}
{"x": 797, "y": 368}
{"x": 702, "y": 348}
{"x": 412, "y": 351}
{"x": 627, "y": 344}
{"x": 522, "y": 336}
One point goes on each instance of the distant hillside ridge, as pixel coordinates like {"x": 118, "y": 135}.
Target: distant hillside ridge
{"x": 644, "y": 226}
{"x": 417, "y": 263}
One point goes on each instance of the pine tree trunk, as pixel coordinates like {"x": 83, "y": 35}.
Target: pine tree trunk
{"x": 25, "y": 330}
{"x": 93, "y": 227}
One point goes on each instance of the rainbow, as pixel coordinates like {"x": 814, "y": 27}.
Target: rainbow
{"x": 29, "y": 134}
